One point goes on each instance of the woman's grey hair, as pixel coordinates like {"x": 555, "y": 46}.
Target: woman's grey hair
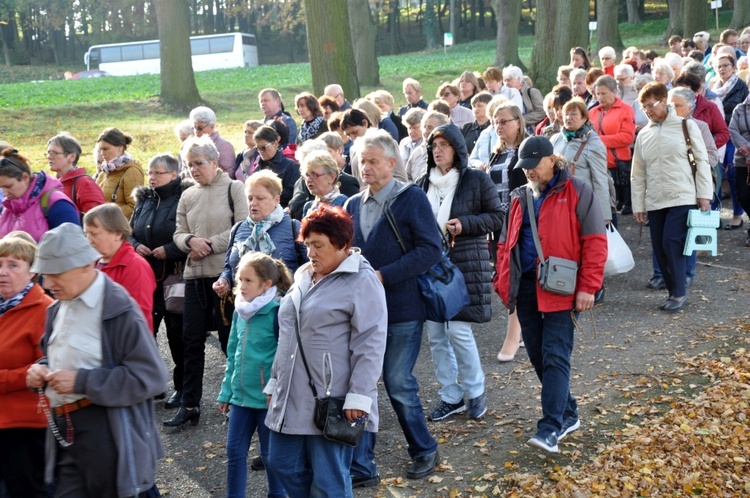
{"x": 68, "y": 143}
{"x": 201, "y": 146}
{"x": 382, "y": 139}
{"x": 320, "y": 159}
{"x": 332, "y": 140}
{"x": 512, "y": 71}
{"x": 184, "y": 129}
{"x": 308, "y": 147}
{"x": 607, "y": 51}
{"x": 625, "y": 70}
{"x": 109, "y": 217}
{"x": 577, "y": 73}
{"x": 663, "y": 66}
{"x": 642, "y": 80}
{"x": 684, "y": 93}
{"x": 606, "y": 81}
{"x": 437, "y": 116}
{"x": 413, "y": 116}
{"x": 203, "y": 114}
{"x": 168, "y": 160}
{"x": 694, "y": 68}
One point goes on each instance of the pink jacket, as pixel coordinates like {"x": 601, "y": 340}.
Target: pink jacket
{"x": 25, "y": 213}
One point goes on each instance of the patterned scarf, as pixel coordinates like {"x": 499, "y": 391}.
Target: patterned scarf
{"x": 579, "y": 133}
{"x": 117, "y": 162}
{"x": 11, "y": 303}
{"x": 309, "y": 129}
{"x": 248, "y": 309}
{"x": 259, "y": 240}
{"x": 722, "y": 89}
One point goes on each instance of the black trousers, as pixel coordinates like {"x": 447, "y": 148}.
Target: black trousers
{"x": 173, "y": 323}
{"x": 22, "y": 462}
{"x": 202, "y": 314}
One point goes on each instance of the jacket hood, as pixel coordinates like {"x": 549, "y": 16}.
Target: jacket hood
{"x": 177, "y": 185}
{"x": 453, "y": 135}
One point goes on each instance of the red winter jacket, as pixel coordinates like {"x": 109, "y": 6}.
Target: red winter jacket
{"x": 570, "y": 226}
{"x": 88, "y": 194}
{"x": 616, "y": 128}
{"x": 708, "y": 112}
{"x": 22, "y": 326}
{"x": 129, "y": 269}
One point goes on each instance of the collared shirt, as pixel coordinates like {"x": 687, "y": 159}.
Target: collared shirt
{"x": 76, "y": 339}
{"x": 372, "y": 206}
{"x": 528, "y": 247}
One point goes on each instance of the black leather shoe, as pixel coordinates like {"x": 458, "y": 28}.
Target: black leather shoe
{"x": 364, "y": 481}
{"x": 257, "y": 464}
{"x": 656, "y": 283}
{"x": 184, "y": 416}
{"x": 174, "y": 401}
{"x": 674, "y": 303}
{"x": 423, "y": 466}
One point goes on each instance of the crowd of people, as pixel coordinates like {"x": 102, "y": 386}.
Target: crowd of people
{"x": 309, "y": 243}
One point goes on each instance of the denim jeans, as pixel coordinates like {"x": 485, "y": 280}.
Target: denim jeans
{"x": 454, "y": 356}
{"x": 311, "y": 466}
{"x": 549, "y": 344}
{"x": 668, "y": 228}
{"x": 242, "y": 424}
{"x": 401, "y": 352}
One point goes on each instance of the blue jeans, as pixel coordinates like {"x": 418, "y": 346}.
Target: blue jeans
{"x": 311, "y": 466}
{"x": 549, "y": 344}
{"x": 401, "y": 352}
{"x": 242, "y": 424}
{"x": 454, "y": 355}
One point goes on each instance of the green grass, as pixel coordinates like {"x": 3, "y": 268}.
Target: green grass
{"x": 33, "y": 112}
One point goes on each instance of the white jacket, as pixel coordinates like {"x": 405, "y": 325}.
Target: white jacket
{"x": 661, "y": 176}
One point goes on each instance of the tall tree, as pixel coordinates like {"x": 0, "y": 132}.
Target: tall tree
{"x": 430, "y": 24}
{"x": 676, "y": 19}
{"x": 607, "y": 27}
{"x": 365, "y": 32}
{"x": 694, "y": 16}
{"x": 741, "y": 15}
{"x": 329, "y": 43}
{"x": 508, "y": 14}
{"x": 178, "y": 86}
{"x": 560, "y": 25}
{"x": 634, "y": 14}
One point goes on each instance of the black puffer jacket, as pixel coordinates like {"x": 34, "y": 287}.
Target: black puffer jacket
{"x": 477, "y": 207}
{"x": 287, "y": 170}
{"x": 154, "y": 222}
{"x": 733, "y": 98}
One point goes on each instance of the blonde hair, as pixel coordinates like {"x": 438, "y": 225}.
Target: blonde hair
{"x": 266, "y": 268}
{"x": 322, "y": 159}
{"x": 267, "y": 179}
{"x": 371, "y": 111}
{"x": 18, "y": 245}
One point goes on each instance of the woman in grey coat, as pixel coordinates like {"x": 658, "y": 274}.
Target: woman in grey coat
{"x": 337, "y": 306}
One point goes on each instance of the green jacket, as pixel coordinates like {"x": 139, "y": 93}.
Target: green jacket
{"x": 250, "y": 352}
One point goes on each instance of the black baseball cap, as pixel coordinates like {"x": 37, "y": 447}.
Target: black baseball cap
{"x": 532, "y": 150}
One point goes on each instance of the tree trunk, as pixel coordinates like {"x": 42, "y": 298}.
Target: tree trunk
{"x": 676, "y": 21}
{"x": 608, "y": 29}
{"x": 178, "y": 86}
{"x": 741, "y": 15}
{"x": 694, "y": 16}
{"x": 430, "y": 24}
{"x": 6, "y": 52}
{"x": 329, "y": 43}
{"x": 508, "y": 14}
{"x": 634, "y": 17}
{"x": 364, "y": 32}
{"x": 560, "y": 25}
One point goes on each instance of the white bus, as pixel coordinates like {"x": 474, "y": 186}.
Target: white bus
{"x": 209, "y": 52}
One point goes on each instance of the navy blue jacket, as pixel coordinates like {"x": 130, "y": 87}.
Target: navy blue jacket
{"x": 413, "y": 213}
{"x": 287, "y": 170}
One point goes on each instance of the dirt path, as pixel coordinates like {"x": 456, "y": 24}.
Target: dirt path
{"x": 628, "y": 360}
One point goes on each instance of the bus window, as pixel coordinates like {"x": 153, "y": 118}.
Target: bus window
{"x": 132, "y": 52}
{"x": 110, "y": 54}
{"x": 222, "y": 45}
{"x": 248, "y": 40}
{"x": 151, "y": 51}
{"x": 199, "y": 47}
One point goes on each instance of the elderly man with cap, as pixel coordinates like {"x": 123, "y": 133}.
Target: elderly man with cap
{"x": 99, "y": 374}
{"x": 569, "y": 225}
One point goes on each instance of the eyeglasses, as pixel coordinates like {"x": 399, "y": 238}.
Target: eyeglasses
{"x": 441, "y": 146}
{"x": 201, "y": 128}
{"x": 197, "y": 164}
{"x": 504, "y": 122}
{"x": 53, "y": 153}
{"x": 264, "y": 148}
{"x": 446, "y": 94}
{"x": 314, "y": 176}
{"x": 159, "y": 173}
{"x": 651, "y": 107}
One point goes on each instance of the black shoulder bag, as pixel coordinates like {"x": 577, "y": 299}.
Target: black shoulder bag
{"x": 329, "y": 411}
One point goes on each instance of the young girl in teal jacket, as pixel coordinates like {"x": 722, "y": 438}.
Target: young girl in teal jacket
{"x": 250, "y": 353}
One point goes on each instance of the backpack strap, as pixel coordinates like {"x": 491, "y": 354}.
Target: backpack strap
{"x": 73, "y": 194}
{"x": 44, "y": 203}
{"x": 230, "y": 200}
